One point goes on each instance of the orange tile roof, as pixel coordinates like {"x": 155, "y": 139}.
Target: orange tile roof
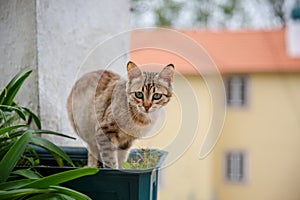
{"x": 232, "y": 52}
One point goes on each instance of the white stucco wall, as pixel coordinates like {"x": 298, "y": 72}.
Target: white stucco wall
{"x": 55, "y": 38}
{"x": 66, "y": 32}
{"x": 292, "y": 30}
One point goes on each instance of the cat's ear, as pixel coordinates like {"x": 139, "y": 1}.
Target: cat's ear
{"x": 133, "y": 71}
{"x": 167, "y": 73}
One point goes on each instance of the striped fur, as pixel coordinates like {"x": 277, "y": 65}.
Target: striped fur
{"x": 110, "y": 113}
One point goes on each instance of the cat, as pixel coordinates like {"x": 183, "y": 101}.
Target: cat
{"x": 109, "y": 113}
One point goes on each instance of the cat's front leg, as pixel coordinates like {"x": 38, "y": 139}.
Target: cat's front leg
{"x": 107, "y": 150}
{"x": 93, "y": 155}
{"x": 109, "y": 158}
{"x": 122, "y": 157}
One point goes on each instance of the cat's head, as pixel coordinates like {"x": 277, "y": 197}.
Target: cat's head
{"x": 149, "y": 91}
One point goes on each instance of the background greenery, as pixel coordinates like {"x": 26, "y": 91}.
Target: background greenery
{"x": 208, "y": 14}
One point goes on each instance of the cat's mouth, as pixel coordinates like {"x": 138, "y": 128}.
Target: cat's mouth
{"x": 146, "y": 110}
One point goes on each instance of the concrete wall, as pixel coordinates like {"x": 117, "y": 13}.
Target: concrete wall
{"x": 56, "y": 38}
{"x": 18, "y": 47}
{"x": 67, "y": 31}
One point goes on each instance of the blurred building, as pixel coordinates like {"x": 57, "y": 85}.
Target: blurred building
{"x": 257, "y": 155}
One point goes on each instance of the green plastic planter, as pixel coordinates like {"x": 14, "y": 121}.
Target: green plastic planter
{"x": 108, "y": 184}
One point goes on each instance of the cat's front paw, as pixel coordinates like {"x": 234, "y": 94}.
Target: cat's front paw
{"x": 90, "y": 166}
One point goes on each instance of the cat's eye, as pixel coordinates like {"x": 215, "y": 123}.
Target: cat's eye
{"x": 157, "y": 96}
{"x": 139, "y": 95}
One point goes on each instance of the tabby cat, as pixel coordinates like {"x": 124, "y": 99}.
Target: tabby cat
{"x": 109, "y": 112}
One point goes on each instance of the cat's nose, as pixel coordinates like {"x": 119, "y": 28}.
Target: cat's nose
{"x": 147, "y": 107}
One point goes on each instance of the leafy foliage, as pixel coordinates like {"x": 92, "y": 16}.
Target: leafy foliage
{"x": 165, "y": 16}
{"x": 208, "y": 14}
{"x": 145, "y": 159}
{"x": 15, "y": 137}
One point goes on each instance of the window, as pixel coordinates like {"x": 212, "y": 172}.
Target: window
{"x": 235, "y": 167}
{"x": 236, "y": 90}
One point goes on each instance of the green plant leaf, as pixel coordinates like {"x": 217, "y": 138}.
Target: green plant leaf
{"x": 4, "y": 119}
{"x": 17, "y": 193}
{"x": 12, "y": 135}
{"x": 46, "y": 144}
{"x": 72, "y": 193}
{"x": 126, "y": 165}
{"x": 11, "y": 158}
{"x": 50, "y": 196}
{"x": 20, "y": 112}
{"x": 3, "y": 94}
{"x": 27, "y": 173}
{"x": 58, "y": 159}
{"x": 34, "y": 117}
{"x": 5, "y": 147}
{"x": 10, "y": 84}
{"x": 10, "y": 128}
{"x": 15, "y": 108}
{"x": 4, "y": 136}
{"x": 21, "y": 132}
{"x": 10, "y": 119}
{"x": 62, "y": 177}
{"x": 14, "y": 184}
{"x": 54, "y": 133}
{"x": 14, "y": 88}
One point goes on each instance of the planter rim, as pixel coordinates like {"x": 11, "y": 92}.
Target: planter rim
{"x": 81, "y": 153}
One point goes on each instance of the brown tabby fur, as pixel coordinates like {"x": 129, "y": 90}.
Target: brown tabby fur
{"x": 109, "y": 112}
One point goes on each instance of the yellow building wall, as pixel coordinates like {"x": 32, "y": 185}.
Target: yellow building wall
{"x": 268, "y": 130}
{"x": 185, "y": 176}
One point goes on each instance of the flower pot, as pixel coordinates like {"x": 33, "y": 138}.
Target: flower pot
{"x": 108, "y": 184}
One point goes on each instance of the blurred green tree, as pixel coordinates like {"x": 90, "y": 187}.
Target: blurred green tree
{"x": 204, "y": 13}
{"x": 168, "y": 13}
